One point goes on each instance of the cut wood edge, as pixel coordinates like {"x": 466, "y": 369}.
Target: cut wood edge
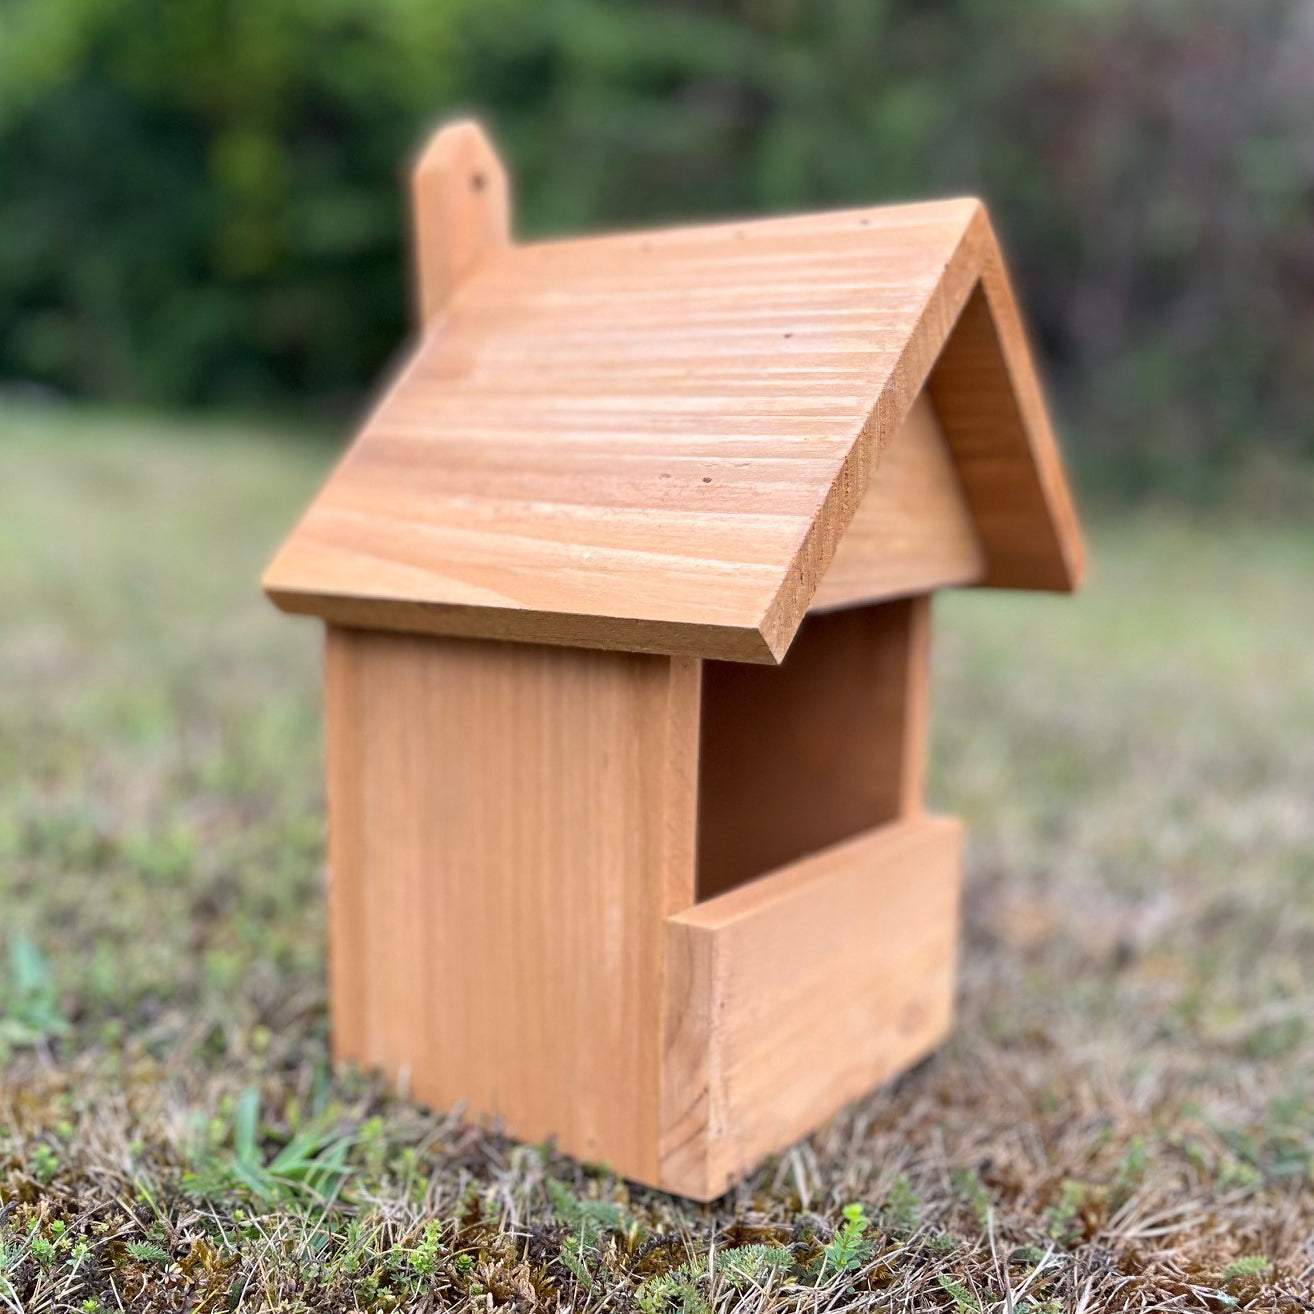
{"x": 556, "y": 629}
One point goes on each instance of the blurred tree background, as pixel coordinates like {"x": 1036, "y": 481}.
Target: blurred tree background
{"x": 200, "y": 200}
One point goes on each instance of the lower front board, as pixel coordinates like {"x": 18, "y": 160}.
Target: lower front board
{"x": 792, "y": 995}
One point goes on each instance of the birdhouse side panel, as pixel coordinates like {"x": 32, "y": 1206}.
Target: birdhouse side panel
{"x": 510, "y": 825}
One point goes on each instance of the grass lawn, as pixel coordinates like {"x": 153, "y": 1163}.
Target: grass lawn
{"x": 1124, "y": 1118}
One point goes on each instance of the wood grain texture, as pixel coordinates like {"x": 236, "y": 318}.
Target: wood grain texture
{"x": 461, "y": 206}
{"x": 656, "y": 441}
{"x": 830, "y": 743}
{"x": 913, "y": 532}
{"x": 794, "y": 994}
{"x": 511, "y": 825}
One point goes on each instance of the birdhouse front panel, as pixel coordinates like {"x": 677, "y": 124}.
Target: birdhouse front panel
{"x": 626, "y": 583}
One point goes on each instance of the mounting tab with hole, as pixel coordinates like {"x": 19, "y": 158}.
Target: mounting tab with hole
{"x": 627, "y": 585}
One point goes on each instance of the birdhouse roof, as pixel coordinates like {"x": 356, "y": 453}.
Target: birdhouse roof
{"x": 655, "y": 441}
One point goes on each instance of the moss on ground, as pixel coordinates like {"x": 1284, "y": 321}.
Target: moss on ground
{"x": 1123, "y": 1120}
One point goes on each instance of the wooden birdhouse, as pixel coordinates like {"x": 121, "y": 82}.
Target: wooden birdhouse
{"x": 627, "y": 585}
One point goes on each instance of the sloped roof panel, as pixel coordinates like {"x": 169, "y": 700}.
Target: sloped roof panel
{"x": 653, "y": 441}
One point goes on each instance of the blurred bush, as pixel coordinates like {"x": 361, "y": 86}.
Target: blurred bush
{"x": 200, "y": 199}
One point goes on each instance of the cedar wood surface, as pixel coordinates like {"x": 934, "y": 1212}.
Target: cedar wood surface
{"x": 796, "y": 993}
{"x": 513, "y": 925}
{"x": 655, "y": 441}
{"x": 913, "y": 532}
{"x": 461, "y": 201}
{"x": 509, "y": 827}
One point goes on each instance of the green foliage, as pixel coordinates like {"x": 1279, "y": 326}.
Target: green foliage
{"x": 742, "y": 1268}
{"x": 588, "y": 1218}
{"x": 899, "y": 1213}
{"x": 309, "y": 1168}
{"x": 674, "y": 1291}
{"x": 1028, "y": 1255}
{"x": 43, "y": 1250}
{"x": 412, "y": 1266}
{"x": 1247, "y": 1266}
{"x": 202, "y": 199}
{"x": 1063, "y": 1217}
{"x": 964, "y": 1301}
{"x": 422, "y": 1258}
{"x": 967, "y": 1182}
{"x": 573, "y": 1250}
{"x": 147, "y": 1252}
{"x": 588, "y": 1221}
{"x": 44, "y": 1163}
{"x": 210, "y": 206}
{"x": 750, "y": 1266}
{"x": 849, "y": 1248}
{"x": 29, "y": 1003}
{"x": 1132, "y": 1168}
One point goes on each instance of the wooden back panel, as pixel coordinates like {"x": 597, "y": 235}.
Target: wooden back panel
{"x": 461, "y": 204}
{"x": 830, "y": 743}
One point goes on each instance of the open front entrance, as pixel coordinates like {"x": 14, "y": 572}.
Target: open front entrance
{"x": 830, "y": 743}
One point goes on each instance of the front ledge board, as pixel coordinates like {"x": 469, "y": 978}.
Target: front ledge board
{"x": 795, "y": 993}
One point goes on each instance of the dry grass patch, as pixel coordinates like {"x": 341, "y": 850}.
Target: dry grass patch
{"x": 1123, "y": 1120}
